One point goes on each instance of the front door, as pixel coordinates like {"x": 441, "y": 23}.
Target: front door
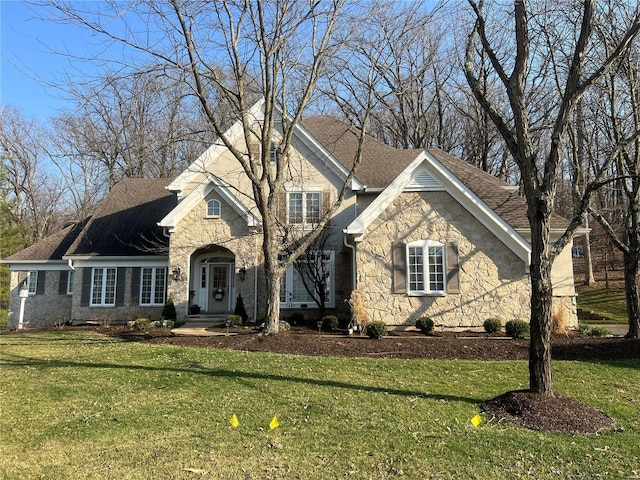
{"x": 219, "y": 288}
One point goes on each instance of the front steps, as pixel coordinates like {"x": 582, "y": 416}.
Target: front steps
{"x": 208, "y": 319}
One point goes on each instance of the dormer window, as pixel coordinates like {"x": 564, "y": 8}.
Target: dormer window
{"x": 213, "y": 208}
{"x": 274, "y": 152}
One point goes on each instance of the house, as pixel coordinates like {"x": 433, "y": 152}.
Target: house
{"x": 419, "y": 233}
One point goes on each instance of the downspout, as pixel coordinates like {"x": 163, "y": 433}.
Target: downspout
{"x": 70, "y": 262}
{"x": 354, "y": 281}
{"x": 255, "y": 280}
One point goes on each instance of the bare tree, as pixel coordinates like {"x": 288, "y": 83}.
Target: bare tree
{"x": 404, "y": 42}
{"x": 313, "y": 267}
{"x": 223, "y": 50}
{"x": 538, "y": 153}
{"x": 618, "y": 120}
{"x": 36, "y": 191}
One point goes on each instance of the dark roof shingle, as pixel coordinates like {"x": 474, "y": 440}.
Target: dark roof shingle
{"x": 380, "y": 163}
{"x": 125, "y": 224}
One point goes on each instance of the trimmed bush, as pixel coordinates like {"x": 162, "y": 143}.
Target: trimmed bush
{"x": 240, "y": 310}
{"x": 492, "y": 325}
{"x": 234, "y": 320}
{"x": 169, "y": 310}
{"x": 425, "y": 325}
{"x": 517, "y": 328}
{"x": 376, "y": 330}
{"x": 330, "y": 322}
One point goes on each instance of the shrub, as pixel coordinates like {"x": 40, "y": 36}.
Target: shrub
{"x": 517, "y": 328}
{"x": 284, "y": 326}
{"x": 376, "y": 330}
{"x": 168, "y": 323}
{"x": 260, "y": 319}
{"x": 598, "y": 332}
{"x": 584, "y": 328}
{"x": 425, "y": 325}
{"x": 240, "y": 310}
{"x": 330, "y": 322}
{"x": 139, "y": 324}
{"x": 492, "y": 325}
{"x": 156, "y": 324}
{"x": 559, "y": 322}
{"x": 233, "y": 320}
{"x": 359, "y": 316}
{"x": 169, "y": 310}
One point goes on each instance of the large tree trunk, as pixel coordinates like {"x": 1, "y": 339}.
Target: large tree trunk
{"x": 270, "y": 249}
{"x": 631, "y": 260}
{"x": 541, "y": 308}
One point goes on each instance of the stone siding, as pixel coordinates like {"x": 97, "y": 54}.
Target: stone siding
{"x": 230, "y": 231}
{"x": 492, "y": 279}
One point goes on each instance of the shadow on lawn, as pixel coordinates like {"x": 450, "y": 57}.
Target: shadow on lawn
{"x": 21, "y": 361}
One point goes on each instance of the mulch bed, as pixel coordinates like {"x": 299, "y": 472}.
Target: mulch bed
{"x": 545, "y": 413}
{"x": 397, "y": 344}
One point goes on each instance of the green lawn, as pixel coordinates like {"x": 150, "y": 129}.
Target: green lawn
{"x": 608, "y": 302}
{"x": 82, "y": 406}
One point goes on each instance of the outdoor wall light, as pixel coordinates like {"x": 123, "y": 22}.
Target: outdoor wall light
{"x": 243, "y": 273}
{"x": 177, "y": 273}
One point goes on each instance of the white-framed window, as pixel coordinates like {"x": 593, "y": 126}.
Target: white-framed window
{"x": 274, "y": 152}
{"x": 426, "y": 268}
{"x": 213, "y": 208}
{"x": 299, "y": 286}
{"x": 70, "y": 277}
{"x": 304, "y": 207}
{"x": 153, "y": 282}
{"x": 103, "y": 287}
{"x": 32, "y": 282}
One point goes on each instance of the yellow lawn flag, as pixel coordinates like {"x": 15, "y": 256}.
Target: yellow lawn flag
{"x": 477, "y": 420}
{"x": 274, "y": 423}
{"x": 234, "y": 421}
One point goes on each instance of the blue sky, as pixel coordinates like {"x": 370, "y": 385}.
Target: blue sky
{"x": 27, "y": 60}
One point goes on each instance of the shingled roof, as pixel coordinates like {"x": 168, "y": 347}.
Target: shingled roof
{"x": 508, "y": 204}
{"x": 380, "y": 164}
{"x": 125, "y": 224}
{"x": 51, "y": 248}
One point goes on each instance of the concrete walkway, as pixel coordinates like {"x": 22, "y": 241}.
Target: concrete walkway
{"x": 618, "y": 330}
{"x": 198, "y": 330}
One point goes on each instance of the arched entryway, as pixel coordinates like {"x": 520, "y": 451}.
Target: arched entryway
{"x": 212, "y": 281}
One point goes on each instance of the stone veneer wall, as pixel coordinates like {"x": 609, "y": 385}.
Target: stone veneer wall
{"x": 493, "y": 281}
{"x": 230, "y": 231}
{"x": 40, "y": 310}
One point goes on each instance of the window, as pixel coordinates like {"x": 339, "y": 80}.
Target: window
{"x": 103, "y": 287}
{"x": 426, "y": 267}
{"x": 152, "y": 285}
{"x": 213, "y": 208}
{"x": 311, "y": 272}
{"x": 32, "y": 282}
{"x": 274, "y": 152}
{"x": 304, "y": 207}
{"x": 70, "y": 282}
